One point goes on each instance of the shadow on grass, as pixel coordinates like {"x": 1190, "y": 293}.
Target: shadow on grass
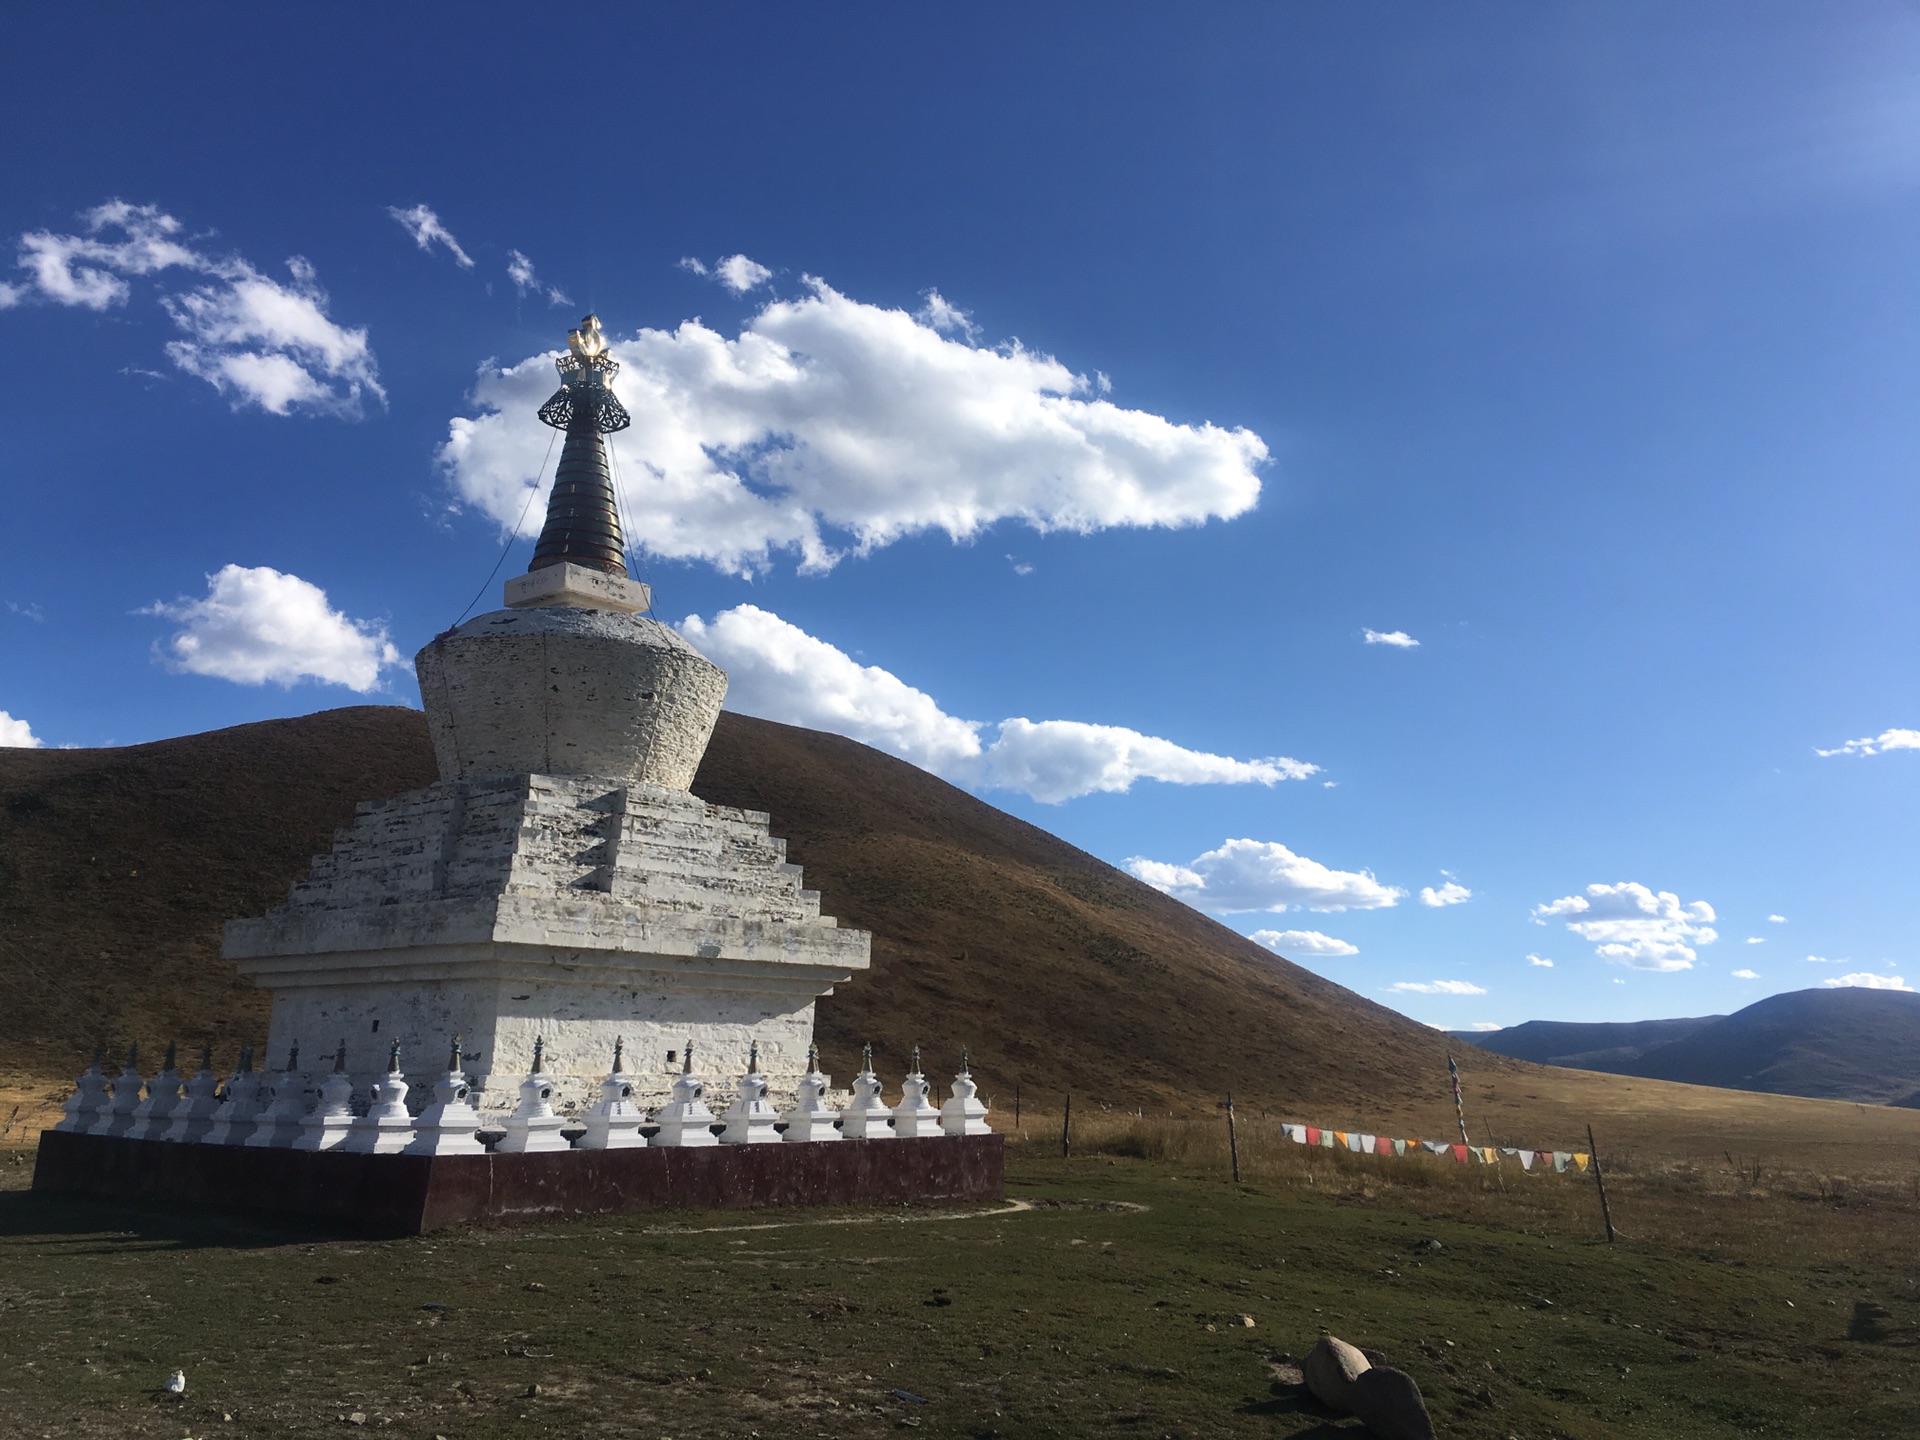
{"x": 25, "y": 1214}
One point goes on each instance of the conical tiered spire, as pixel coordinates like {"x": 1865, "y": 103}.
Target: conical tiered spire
{"x": 583, "y": 522}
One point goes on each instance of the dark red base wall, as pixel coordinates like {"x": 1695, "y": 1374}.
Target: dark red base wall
{"x": 408, "y": 1194}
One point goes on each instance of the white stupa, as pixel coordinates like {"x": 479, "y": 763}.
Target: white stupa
{"x": 869, "y": 1117}
{"x": 558, "y": 880}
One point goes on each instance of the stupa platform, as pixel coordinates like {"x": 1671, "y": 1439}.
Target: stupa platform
{"x": 412, "y": 1194}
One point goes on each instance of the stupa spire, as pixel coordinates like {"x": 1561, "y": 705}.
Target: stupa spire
{"x": 580, "y": 559}
{"x": 583, "y": 522}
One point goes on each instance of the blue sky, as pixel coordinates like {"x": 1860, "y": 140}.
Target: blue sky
{"x": 1092, "y": 381}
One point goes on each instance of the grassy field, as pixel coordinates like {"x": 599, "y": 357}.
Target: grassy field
{"x": 1112, "y": 1296}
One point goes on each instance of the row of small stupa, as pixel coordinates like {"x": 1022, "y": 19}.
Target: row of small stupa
{"x": 257, "y": 1109}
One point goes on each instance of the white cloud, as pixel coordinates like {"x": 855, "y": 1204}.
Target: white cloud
{"x": 17, "y": 734}
{"x": 1867, "y": 980}
{"x": 427, "y": 231}
{"x": 1541, "y": 961}
{"x": 1485, "y": 1025}
{"x": 1302, "y": 942}
{"x": 1776, "y": 919}
{"x": 258, "y": 625}
{"x": 1823, "y": 960}
{"x": 1756, "y": 939}
{"x": 1248, "y": 875}
{"x": 263, "y": 341}
{"x": 1398, "y": 639}
{"x": 1633, "y": 926}
{"x": 1745, "y": 975}
{"x": 1451, "y": 893}
{"x": 1440, "y": 987}
{"x": 829, "y": 427}
{"x": 778, "y": 671}
{"x": 948, "y": 318}
{"x": 1877, "y": 744}
{"x": 520, "y": 271}
{"x": 736, "y": 272}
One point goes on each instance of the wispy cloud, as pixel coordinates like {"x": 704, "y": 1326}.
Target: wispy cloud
{"x": 259, "y": 625}
{"x": 1439, "y": 987}
{"x": 1879, "y": 744}
{"x": 778, "y": 671}
{"x": 1776, "y": 919}
{"x": 1745, "y": 975}
{"x": 1398, "y": 639}
{"x": 736, "y": 272}
{"x": 1541, "y": 961}
{"x": 1633, "y": 926}
{"x": 1302, "y": 942}
{"x": 520, "y": 271}
{"x": 830, "y": 427}
{"x": 261, "y": 341}
{"x": 1243, "y": 876}
{"x": 420, "y": 222}
{"x": 1451, "y": 893}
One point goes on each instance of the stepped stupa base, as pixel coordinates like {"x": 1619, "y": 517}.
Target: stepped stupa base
{"x": 412, "y": 1194}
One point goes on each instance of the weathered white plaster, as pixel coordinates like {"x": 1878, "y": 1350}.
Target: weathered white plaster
{"x": 328, "y": 1124}
{"x": 614, "y": 1123}
{"x": 569, "y": 584}
{"x": 193, "y": 1117}
{"x": 964, "y": 1113}
{"x": 533, "y": 1127}
{"x": 279, "y": 1123}
{"x": 155, "y": 1113}
{"x": 867, "y": 1117}
{"x": 685, "y": 1120}
{"x": 117, "y": 1117}
{"x": 567, "y": 907}
{"x": 241, "y": 1107}
{"x": 88, "y": 1101}
{"x": 811, "y": 1118}
{"x": 751, "y": 1120}
{"x": 915, "y": 1117}
{"x": 447, "y": 1125}
{"x": 387, "y": 1127}
{"x": 560, "y": 690}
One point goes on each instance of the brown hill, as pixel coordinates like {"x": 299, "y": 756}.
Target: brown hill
{"x": 117, "y": 868}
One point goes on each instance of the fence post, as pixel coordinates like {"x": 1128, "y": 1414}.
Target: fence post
{"x": 1233, "y": 1139}
{"x": 1593, "y": 1159}
{"x": 1066, "y": 1129}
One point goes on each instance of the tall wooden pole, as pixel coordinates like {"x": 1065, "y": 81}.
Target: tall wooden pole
{"x": 1066, "y": 1129}
{"x": 1016, "y": 1104}
{"x": 1233, "y": 1139}
{"x": 1593, "y": 1159}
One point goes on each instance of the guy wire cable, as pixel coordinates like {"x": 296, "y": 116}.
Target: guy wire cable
{"x": 513, "y": 535}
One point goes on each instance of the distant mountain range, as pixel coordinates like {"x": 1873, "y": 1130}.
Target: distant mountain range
{"x": 1841, "y": 1044}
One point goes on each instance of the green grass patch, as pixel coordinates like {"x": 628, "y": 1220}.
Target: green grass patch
{"x": 1115, "y": 1303}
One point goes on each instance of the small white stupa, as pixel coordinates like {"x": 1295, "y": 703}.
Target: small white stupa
{"x": 279, "y": 1122}
{"x": 193, "y": 1117}
{"x": 447, "y": 1125}
{"x": 964, "y": 1114}
{"x": 614, "y": 1122}
{"x": 533, "y": 1128}
{"x": 117, "y": 1118}
{"x": 386, "y": 1128}
{"x": 155, "y": 1113}
{"x": 83, "y": 1108}
{"x": 328, "y": 1124}
{"x": 868, "y": 1117}
{"x": 915, "y": 1117}
{"x": 685, "y": 1119}
{"x": 559, "y": 879}
{"x": 241, "y": 1108}
{"x": 811, "y": 1118}
{"x": 751, "y": 1120}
